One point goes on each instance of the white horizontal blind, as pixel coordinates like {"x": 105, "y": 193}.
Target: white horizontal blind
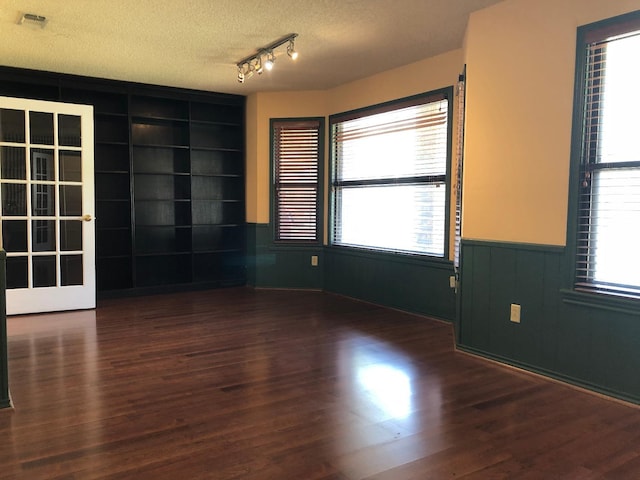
{"x": 389, "y": 179}
{"x": 296, "y": 180}
{"x": 461, "y": 92}
{"x": 608, "y": 257}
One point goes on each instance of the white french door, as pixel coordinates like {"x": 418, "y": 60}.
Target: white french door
{"x": 47, "y": 205}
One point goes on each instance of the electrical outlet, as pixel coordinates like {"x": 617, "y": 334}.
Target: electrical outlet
{"x": 515, "y": 313}
{"x": 314, "y": 260}
{"x": 452, "y": 281}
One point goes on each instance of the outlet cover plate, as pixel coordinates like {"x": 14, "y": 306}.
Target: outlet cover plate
{"x": 515, "y": 313}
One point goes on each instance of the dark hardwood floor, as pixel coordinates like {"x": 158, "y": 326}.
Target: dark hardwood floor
{"x": 244, "y": 384}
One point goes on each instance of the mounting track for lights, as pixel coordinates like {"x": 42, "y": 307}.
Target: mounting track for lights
{"x": 264, "y": 58}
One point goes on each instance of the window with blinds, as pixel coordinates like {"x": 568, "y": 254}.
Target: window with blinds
{"x": 608, "y": 257}
{"x": 296, "y": 179}
{"x": 390, "y": 176}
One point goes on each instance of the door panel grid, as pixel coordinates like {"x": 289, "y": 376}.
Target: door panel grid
{"x": 46, "y": 175}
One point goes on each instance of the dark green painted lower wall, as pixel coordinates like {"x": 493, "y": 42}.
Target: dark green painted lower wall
{"x": 403, "y": 282}
{"x": 573, "y": 337}
{"x": 280, "y": 266}
{"x": 4, "y": 377}
{"x": 407, "y": 283}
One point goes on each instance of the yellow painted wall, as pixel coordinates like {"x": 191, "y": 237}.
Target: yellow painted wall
{"x": 261, "y": 107}
{"x": 423, "y": 76}
{"x": 251, "y": 152}
{"x": 520, "y": 57}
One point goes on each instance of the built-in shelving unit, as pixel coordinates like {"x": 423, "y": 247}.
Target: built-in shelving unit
{"x": 169, "y": 180}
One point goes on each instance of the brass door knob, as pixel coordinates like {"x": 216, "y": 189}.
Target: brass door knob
{"x": 87, "y": 217}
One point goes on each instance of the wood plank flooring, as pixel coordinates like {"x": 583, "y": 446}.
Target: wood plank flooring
{"x": 246, "y": 384}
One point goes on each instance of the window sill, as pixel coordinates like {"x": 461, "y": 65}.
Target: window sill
{"x": 601, "y": 300}
{"x": 399, "y": 257}
{"x": 280, "y": 245}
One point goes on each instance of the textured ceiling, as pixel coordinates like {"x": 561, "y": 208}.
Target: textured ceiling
{"x": 197, "y": 43}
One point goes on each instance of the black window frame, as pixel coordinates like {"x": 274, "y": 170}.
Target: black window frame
{"x": 446, "y": 93}
{"x": 579, "y": 289}
{"x": 274, "y": 180}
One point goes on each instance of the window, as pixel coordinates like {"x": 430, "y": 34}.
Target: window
{"x": 389, "y": 182}
{"x": 296, "y": 146}
{"x": 608, "y": 225}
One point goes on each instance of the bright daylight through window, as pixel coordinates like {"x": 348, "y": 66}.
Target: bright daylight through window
{"x": 609, "y": 204}
{"x": 389, "y": 177}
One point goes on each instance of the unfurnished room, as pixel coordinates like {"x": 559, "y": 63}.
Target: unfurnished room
{"x": 328, "y": 240}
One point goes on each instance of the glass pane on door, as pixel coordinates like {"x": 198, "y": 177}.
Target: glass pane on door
{"x": 43, "y": 235}
{"x": 12, "y": 125}
{"x": 14, "y": 161}
{"x": 14, "y": 235}
{"x": 17, "y": 272}
{"x": 70, "y": 235}
{"x": 71, "y": 269}
{"x": 70, "y": 200}
{"x": 70, "y": 166}
{"x": 44, "y": 271}
{"x": 69, "y": 132}
{"x": 41, "y": 128}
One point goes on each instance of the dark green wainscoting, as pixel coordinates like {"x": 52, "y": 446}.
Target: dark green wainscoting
{"x": 272, "y": 265}
{"x": 578, "y": 338}
{"x": 4, "y": 377}
{"x": 405, "y": 282}
{"x": 408, "y": 283}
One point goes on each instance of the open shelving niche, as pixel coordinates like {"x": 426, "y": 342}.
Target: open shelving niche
{"x": 188, "y": 192}
{"x": 169, "y": 191}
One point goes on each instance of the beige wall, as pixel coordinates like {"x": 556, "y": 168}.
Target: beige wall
{"x": 261, "y": 107}
{"x": 426, "y": 75}
{"x": 520, "y": 57}
{"x": 423, "y": 76}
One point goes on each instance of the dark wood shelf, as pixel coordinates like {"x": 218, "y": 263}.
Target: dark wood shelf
{"x": 114, "y": 229}
{"x": 163, "y": 254}
{"x": 148, "y": 106}
{"x": 123, "y": 116}
{"x": 217, "y": 149}
{"x": 203, "y": 112}
{"x": 225, "y": 124}
{"x": 221, "y": 175}
{"x": 223, "y": 250}
{"x": 154, "y": 119}
{"x": 161, "y": 145}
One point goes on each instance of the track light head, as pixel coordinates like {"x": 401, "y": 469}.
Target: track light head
{"x": 250, "y": 71}
{"x": 271, "y": 58}
{"x": 241, "y": 74}
{"x": 291, "y": 50}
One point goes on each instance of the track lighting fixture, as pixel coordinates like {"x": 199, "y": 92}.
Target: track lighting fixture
{"x": 265, "y": 58}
